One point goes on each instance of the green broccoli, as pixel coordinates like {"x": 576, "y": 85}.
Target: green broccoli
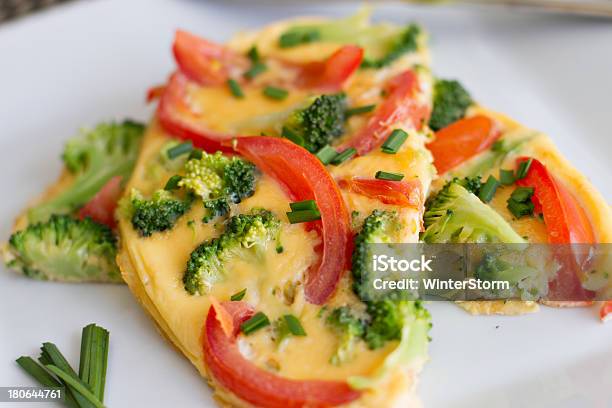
{"x": 382, "y": 43}
{"x": 109, "y": 150}
{"x": 450, "y": 101}
{"x": 455, "y": 215}
{"x": 349, "y": 330}
{"x": 386, "y": 317}
{"x": 405, "y": 42}
{"x": 378, "y": 227}
{"x": 318, "y": 124}
{"x": 63, "y": 248}
{"x": 245, "y": 235}
{"x": 157, "y": 214}
{"x": 220, "y": 179}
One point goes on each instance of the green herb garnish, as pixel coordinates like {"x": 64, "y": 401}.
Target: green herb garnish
{"x": 384, "y": 175}
{"x": 326, "y": 154}
{"x": 296, "y": 217}
{"x": 487, "y": 190}
{"x": 172, "y": 183}
{"x": 344, "y": 156}
{"x": 238, "y": 295}
{"x": 294, "y": 325}
{"x": 258, "y": 321}
{"x": 235, "y": 88}
{"x": 275, "y": 93}
{"x": 303, "y": 205}
{"x": 395, "y": 140}
{"x": 179, "y": 150}
{"x": 358, "y": 110}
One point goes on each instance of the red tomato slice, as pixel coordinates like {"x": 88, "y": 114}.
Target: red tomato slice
{"x": 399, "y": 106}
{"x": 179, "y": 120}
{"x": 330, "y": 75}
{"x": 305, "y": 178}
{"x": 605, "y": 313}
{"x": 462, "y": 140}
{"x": 101, "y": 207}
{"x": 205, "y": 62}
{"x": 566, "y": 223}
{"x": 402, "y": 193}
{"x": 155, "y": 92}
{"x": 257, "y": 386}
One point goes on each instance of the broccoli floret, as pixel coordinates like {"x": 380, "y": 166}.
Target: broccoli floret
{"x": 382, "y": 43}
{"x": 160, "y": 213}
{"x": 378, "y": 227}
{"x": 245, "y": 235}
{"x": 219, "y": 179}
{"x": 349, "y": 329}
{"x": 450, "y": 101}
{"x": 318, "y": 124}
{"x": 109, "y": 150}
{"x": 471, "y": 184}
{"x": 455, "y": 215}
{"x": 405, "y": 42}
{"x": 65, "y": 249}
{"x": 387, "y": 320}
{"x": 386, "y": 317}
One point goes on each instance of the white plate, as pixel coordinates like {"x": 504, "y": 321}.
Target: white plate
{"x": 88, "y": 61}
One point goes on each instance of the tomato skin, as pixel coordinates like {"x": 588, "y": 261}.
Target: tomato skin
{"x": 401, "y": 193}
{"x": 155, "y": 92}
{"x": 101, "y": 207}
{"x": 566, "y": 223}
{"x": 305, "y": 178}
{"x": 205, "y": 62}
{"x": 462, "y": 140}
{"x": 605, "y": 313}
{"x": 255, "y": 385}
{"x": 330, "y": 75}
{"x": 176, "y": 118}
{"x": 399, "y": 106}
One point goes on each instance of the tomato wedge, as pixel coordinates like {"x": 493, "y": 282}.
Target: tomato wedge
{"x": 605, "y": 313}
{"x": 155, "y": 92}
{"x": 399, "y": 106}
{"x": 566, "y": 223}
{"x": 257, "y": 386}
{"x": 305, "y": 178}
{"x": 205, "y": 62}
{"x": 462, "y": 140}
{"x": 179, "y": 120}
{"x": 101, "y": 207}
{"x": 330, "y": 75}
{"x": 401, "y": 193}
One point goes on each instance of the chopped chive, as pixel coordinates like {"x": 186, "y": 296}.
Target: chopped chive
{"x": 235, "y": 88}
{"x": 179, "y": 150}
{"x": 77, "y": 385}
{"x": 522, "y": 194}
{"x": 94, "y": 358}
{"x": 384, "y": 175}
{"x": 279, "y": 249}
{"x": 520, "y": 209}
{"x": 395, "y": 140}
{"x": 172, "y": 183}
{"x": 296, "y": 217}
{"x": 326, "y": 154}
{"x": 303, "y": 205}
{"x": 344, "y": 156}
{"x": 37, "y": 372}
{"x": 519, "y": 203}
{"x": 506, "y": 177}
{"x": 195, "y": 154}
{"x": 487, "y": 191}
{"x": 275, "y": 93}
{"x": 294, "y": 325}
{"x": 258, "y": 321}
{"x": 238, "y": 295}
{"x": 293, "y": 38}
{"x": 359, "y": 110}
{"x": 523, "y": 168}
{"x": 253, "y": 54}
{"x": 291, "y": 135}
{"x": 256, "y": 69}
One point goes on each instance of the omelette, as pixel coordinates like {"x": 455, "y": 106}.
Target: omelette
{"x": 270, "y": 163}
{"x": 533, "y": 189}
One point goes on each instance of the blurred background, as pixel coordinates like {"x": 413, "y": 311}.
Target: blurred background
{"x": 11, "y": 9}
